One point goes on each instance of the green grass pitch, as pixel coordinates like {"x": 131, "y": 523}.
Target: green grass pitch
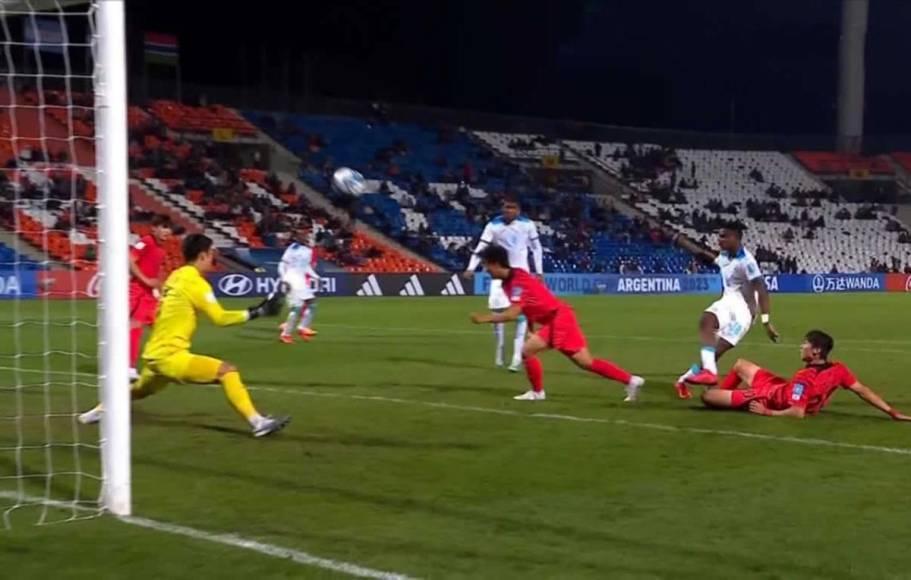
{"x": 408, "y": 454}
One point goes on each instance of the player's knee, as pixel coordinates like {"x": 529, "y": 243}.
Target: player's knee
{"x": 739, "y": 364}
{"x": 226, "y": 368}
{"x": 709, "y": 398}
{"x": 708, "y": 321}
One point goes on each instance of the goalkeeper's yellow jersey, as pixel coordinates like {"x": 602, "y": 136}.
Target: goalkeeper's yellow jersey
{"x": 185, "y": 293}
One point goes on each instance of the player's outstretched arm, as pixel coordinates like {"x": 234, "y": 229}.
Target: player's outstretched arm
{"x": 509, "y": 315}
{"x": 204, "y": 299}
{"x": 475, "y": 260}
{"x": 699, "y": 252}
{"x": 759, "y": 408}
{"x": 765, "y": 308}
{"x": 870, "y": 397}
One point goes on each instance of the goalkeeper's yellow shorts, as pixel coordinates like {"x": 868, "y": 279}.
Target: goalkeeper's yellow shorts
{"x": 180, "y": 367}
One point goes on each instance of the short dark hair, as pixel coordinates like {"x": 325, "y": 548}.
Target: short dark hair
{"x": 159, "y": 220}
{"x": 822, "y": 341}
{"x": 734, "y": 226}
{"x": 194, "y": 245}
{"x": 495, "y": 254}
{"x": 512, "y": 200}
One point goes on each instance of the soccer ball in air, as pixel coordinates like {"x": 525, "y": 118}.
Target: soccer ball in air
{"x": 349, "y": 181}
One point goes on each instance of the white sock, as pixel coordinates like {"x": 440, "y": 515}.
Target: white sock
{"x": 519, "y": 340}
{"x": 307, "y": 319}
{"x": 292, "y": 319}
{"x": 499, "y": 332}
{"x": 708, "y": 359}
{"x": 689, "y": 373}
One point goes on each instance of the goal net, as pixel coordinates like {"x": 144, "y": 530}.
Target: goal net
{"x": 63, "y": 260}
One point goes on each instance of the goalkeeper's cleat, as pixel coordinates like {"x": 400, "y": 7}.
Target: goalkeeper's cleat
{"x": 286, "y": 338}
{"x": 703, "y": 377}
{"x": 270, "y": 425}
{"x": 683, "y": 391}
{"x": 92, "y": 416}
{"x": 531, "y": 396}
{"x": 306, "y": 334}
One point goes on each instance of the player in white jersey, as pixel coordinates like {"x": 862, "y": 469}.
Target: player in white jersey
{"x": 517, "y": 234}
{"x": 728, "y": 319}
{"x": 297, "y": 269}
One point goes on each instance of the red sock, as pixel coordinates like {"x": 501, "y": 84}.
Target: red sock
{"x": 535, "y": 371}
{"x": 135, "y": 338}
{"x": 731, "y": 381}
{"x": 609, "y": 370}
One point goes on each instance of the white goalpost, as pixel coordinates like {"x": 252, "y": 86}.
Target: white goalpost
{"x": 64, "y": 238}
{"x": 113, "y": 239}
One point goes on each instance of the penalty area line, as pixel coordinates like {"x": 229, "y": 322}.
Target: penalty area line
{"x": 296, "y": 556}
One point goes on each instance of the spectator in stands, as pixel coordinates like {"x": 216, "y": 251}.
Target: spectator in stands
{"x": 843, "y": 214}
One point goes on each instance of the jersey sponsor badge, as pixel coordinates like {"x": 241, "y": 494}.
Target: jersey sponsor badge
{"x": 140, "y": 245}
{"x": 751, "y": 268}
{"x": 797, "y": 391}
{"x": 516, "y": 293}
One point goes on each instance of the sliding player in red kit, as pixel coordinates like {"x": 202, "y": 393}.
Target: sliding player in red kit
{"x": 806, "y": 393}
{"x": 146, "y": 258}
{"x": 559, "y": 329}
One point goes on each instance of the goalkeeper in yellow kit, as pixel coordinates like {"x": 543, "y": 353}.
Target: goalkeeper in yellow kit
{"x": 167, "y": 355}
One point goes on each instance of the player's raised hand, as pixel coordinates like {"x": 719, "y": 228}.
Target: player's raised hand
{"x": 773, "y": 334}
{"x": 271, "y": 305}
{"x": 468, "y": 274}
{"x": 759, "y": 408}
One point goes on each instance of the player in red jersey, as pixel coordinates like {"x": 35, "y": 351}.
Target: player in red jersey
{"x": 558, "y": 327}
{"x": 146, "y": 257}
{"x": 806, "y": 393}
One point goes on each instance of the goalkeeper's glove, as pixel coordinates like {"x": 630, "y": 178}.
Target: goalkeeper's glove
{"x": 270, "y": 306}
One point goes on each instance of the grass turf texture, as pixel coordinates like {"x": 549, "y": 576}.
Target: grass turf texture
{"x": 435, "y": 491}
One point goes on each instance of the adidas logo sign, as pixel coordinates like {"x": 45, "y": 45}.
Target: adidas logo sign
{"x": 370, "y": 287}
{"x": 453, "y": 287}
{"x": 412, "y": 287}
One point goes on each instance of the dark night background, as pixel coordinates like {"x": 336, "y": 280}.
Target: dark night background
{"x": 766, "y": 66}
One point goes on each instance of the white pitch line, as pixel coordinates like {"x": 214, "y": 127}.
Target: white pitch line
{"x": 621, "y": 422}
{"x": 618, "y": 422}
{"x": 266, "y": 549}
{"x": 272, "y": 550}
{"x": 397, "y": 330}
